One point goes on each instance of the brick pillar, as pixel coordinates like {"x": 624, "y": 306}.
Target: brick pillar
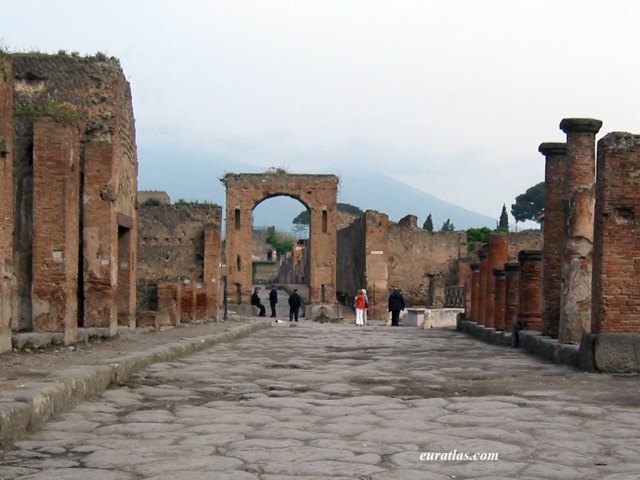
{"x": 100, "y": 238}
{"x": 497, "y": 256}
{"x": 553, "y": 234}
{"x": 482, "y": 291}
{"x": 464, "y": 279}
{"x": 475, "y": 291}
{"x": 512, "y": 307}
{"x": 56, "y": 219}
{"x": 6, "y": 201}
{"x": 575, "y": 306}
{"x": 212, "y": 275}
{"x": 500, "y": 281}
{"x": 187, "y": 303}
{"x": 530, "y": 312}
{"x": 616, "y": 255}
{"x": 169, "y": 299}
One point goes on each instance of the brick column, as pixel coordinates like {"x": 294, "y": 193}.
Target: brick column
{"x": 500, "y": 281}
{"x": 475, "y": 291}
{"x": 616, "y": 251}
{"x": 169, "y": 299}
{"x": 530, "y": 289}
{"x": 56, "y": 219}
{"x": 100, "y": 237}
{"x": 212, "y": 276}
{"x": 512, "y": 307}
{"x": 575, "y": 306}
{"x": 6, "y": 201}
{"x": 553, "y": 234}
{"x": 497, "y": 256}
{"x": 482, "y": 291}
{"x": 464, "y": 279}
{"x": 187, "y": 303}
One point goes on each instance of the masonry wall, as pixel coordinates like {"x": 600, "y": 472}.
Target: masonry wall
{"x": 526, "y": 240}
{"x": 7, "y": 280}
{"x": 179, "y": 243}
{"x": 56, "y": 172}
{"x": 351, "y": 260}
{"x": 92, "y": 93}
{"x": 418, "y": 257}
{"x": 616, "y": 252}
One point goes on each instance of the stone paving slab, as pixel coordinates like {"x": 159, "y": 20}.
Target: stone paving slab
{"x": 304, "y": 403}
{"x": 33, "y": 404}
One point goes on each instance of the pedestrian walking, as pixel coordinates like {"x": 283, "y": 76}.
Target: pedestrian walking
{"x": 294, "y": 305}
{"x": 396, "y": 304}
{"x": 360, "y": 303}
{"x": 255, "y": 300}
{"x": 273, "y": 299}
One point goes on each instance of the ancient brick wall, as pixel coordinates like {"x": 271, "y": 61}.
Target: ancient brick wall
{"x": 56, "y": 180}
{"x": 153, "y": 196}
{"x": 351, "y": 260}
{"x": 417, "y": 257}
{"x": 92, "y": 93}
{"x": 616, "y": 251}
{"x": 526, "y": 240}
{"x": 6, "y": 200}
{"x": 178, "y": 243}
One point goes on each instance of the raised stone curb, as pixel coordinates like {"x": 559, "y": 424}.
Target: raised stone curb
{"x": 530, "y": 341}
{"x": 29, "y": 408}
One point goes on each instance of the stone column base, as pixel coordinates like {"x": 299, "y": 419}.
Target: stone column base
{"x": 610, "y": 352}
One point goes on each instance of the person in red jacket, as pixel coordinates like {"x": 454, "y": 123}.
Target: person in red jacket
{"x": 360, "y": 303}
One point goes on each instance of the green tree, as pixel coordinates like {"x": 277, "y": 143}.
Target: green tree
{"x": 447, "y": 226}
{"x": 281, "y": 244}
{"x": 530, "y": 204}
{"x": 303, "y": 217}
{"x": 503, "y": 224}
{"x": 428, "y": 224}
{"x": 477, "y": 235}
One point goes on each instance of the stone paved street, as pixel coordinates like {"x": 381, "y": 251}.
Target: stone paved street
{"x": 333, "y": 401}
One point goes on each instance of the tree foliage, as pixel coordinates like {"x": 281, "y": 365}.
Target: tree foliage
{"x": 480, "y": 235}
{"x": 303, "y": 217}
{"x": 428, "y": 224}
{"x": 530, "y": 204}
{"x": 503, "y": 224}
{"x": 281, "y": 244}
{"x": 447, "y": 226}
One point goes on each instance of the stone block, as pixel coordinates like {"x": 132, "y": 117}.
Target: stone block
{"x": 617, "y": 352}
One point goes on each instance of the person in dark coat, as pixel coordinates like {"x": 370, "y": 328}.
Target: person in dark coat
{"x": 396, "y": 304}
{"x": 255, "y": 300}
{"x": 294, "y": 305}
{"x": 273, "y": 299}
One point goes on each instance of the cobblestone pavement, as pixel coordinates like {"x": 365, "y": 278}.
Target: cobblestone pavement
{"x": 327, "y": 401}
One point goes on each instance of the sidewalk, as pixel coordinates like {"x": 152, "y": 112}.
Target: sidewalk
{"x": 35, "y": 384}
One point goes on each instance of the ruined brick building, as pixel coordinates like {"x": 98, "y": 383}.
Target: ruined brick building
{"x": 179, "y": 260}
{"x": 582, "y": 287}
{"x": 70, "y": 224}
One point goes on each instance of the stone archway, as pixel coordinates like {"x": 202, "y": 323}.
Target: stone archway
{"x": 318, "y": 193}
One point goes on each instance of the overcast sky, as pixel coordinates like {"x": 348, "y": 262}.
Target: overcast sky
{"x": 452, "y": 97}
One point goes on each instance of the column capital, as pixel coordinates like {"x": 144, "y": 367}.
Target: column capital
{"x": 580, "y": 125}
{"x": 530, "y": 255}
{"x": 552, "y": 148}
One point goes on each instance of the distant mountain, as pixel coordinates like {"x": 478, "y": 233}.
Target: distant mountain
{"x": 196, "y": 177}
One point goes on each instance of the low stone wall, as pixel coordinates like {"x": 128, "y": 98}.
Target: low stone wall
{"x": 431, "y": 317}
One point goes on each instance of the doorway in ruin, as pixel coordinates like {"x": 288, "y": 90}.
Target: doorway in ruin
{"x": 317, "y": 193}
